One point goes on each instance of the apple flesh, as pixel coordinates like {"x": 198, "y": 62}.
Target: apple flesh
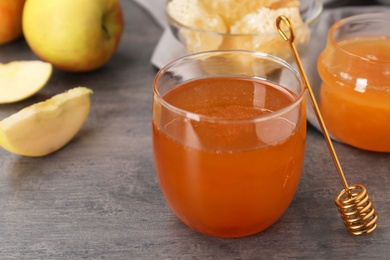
{"x": 22, "y": 79}
{"x": 47, "y": 126}
{"x": 73, "y": 35}
{"x": 10, "y": 20}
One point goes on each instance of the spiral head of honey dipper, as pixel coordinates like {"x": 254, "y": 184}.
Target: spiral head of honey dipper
{"x": 356, "y": 210}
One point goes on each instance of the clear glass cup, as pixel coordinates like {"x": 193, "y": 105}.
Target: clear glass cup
{"x": 228, "y": 139}
{"x": 355, "y": 90}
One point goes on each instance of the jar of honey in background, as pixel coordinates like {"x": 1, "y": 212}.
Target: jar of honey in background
{"x": 355, "y": 72}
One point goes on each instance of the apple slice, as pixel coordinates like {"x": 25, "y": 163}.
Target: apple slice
{"x": 22, "y": 79}
{"x": 47, "y": 126}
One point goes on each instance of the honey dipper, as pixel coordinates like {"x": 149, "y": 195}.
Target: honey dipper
{"x": 353, "y": 202}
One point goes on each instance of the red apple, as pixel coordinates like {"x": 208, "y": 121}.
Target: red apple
{"x": 10, "y": 20}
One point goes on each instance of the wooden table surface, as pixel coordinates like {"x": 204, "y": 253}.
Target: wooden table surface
{"x": 98, "y": 197}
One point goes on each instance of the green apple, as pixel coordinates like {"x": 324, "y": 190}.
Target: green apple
{"x": 73, "y": 35}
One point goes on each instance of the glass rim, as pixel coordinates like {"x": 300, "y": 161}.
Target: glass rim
{"x": 200, "y": 117}
{"x": 384, "y": 15}
{"x": 308, "y": 22}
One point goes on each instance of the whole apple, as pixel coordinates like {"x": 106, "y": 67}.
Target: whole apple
{"x": 73, "y": 35}
{"x": 10, "y": 20}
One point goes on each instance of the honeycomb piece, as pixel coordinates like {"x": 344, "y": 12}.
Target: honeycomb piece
{"x": 192, "y": 14}
{"x": 262, "y": 23}
{"x": 233, "y": 10}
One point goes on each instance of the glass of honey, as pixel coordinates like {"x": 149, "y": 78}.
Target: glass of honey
{"x": 228, "y": 139}
{"x": 355, "y": 90}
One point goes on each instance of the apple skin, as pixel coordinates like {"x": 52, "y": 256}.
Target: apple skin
{"x": 73, "y": 35}
{"x": 10, "y": 20}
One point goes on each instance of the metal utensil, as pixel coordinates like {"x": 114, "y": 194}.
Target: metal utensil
{"x": 353, "y": 202}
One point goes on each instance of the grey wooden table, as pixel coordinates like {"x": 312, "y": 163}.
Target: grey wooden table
{"x": 99, "y": 196}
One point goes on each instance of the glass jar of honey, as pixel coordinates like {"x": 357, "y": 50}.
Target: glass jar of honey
{"x": 355, "y": 90}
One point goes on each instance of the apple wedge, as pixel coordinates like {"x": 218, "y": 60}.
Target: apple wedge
{"x": 47, "y": 126}
{"x": 22, "y": 79}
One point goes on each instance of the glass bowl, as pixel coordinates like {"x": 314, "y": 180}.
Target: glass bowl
{"x": 199, "y": 30}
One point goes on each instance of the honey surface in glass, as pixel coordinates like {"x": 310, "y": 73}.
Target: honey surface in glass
{"x": 355, "y": 95}
{"x": 229, "y": 179}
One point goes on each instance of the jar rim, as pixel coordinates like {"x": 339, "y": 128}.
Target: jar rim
{"x": 377, "y": 17}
